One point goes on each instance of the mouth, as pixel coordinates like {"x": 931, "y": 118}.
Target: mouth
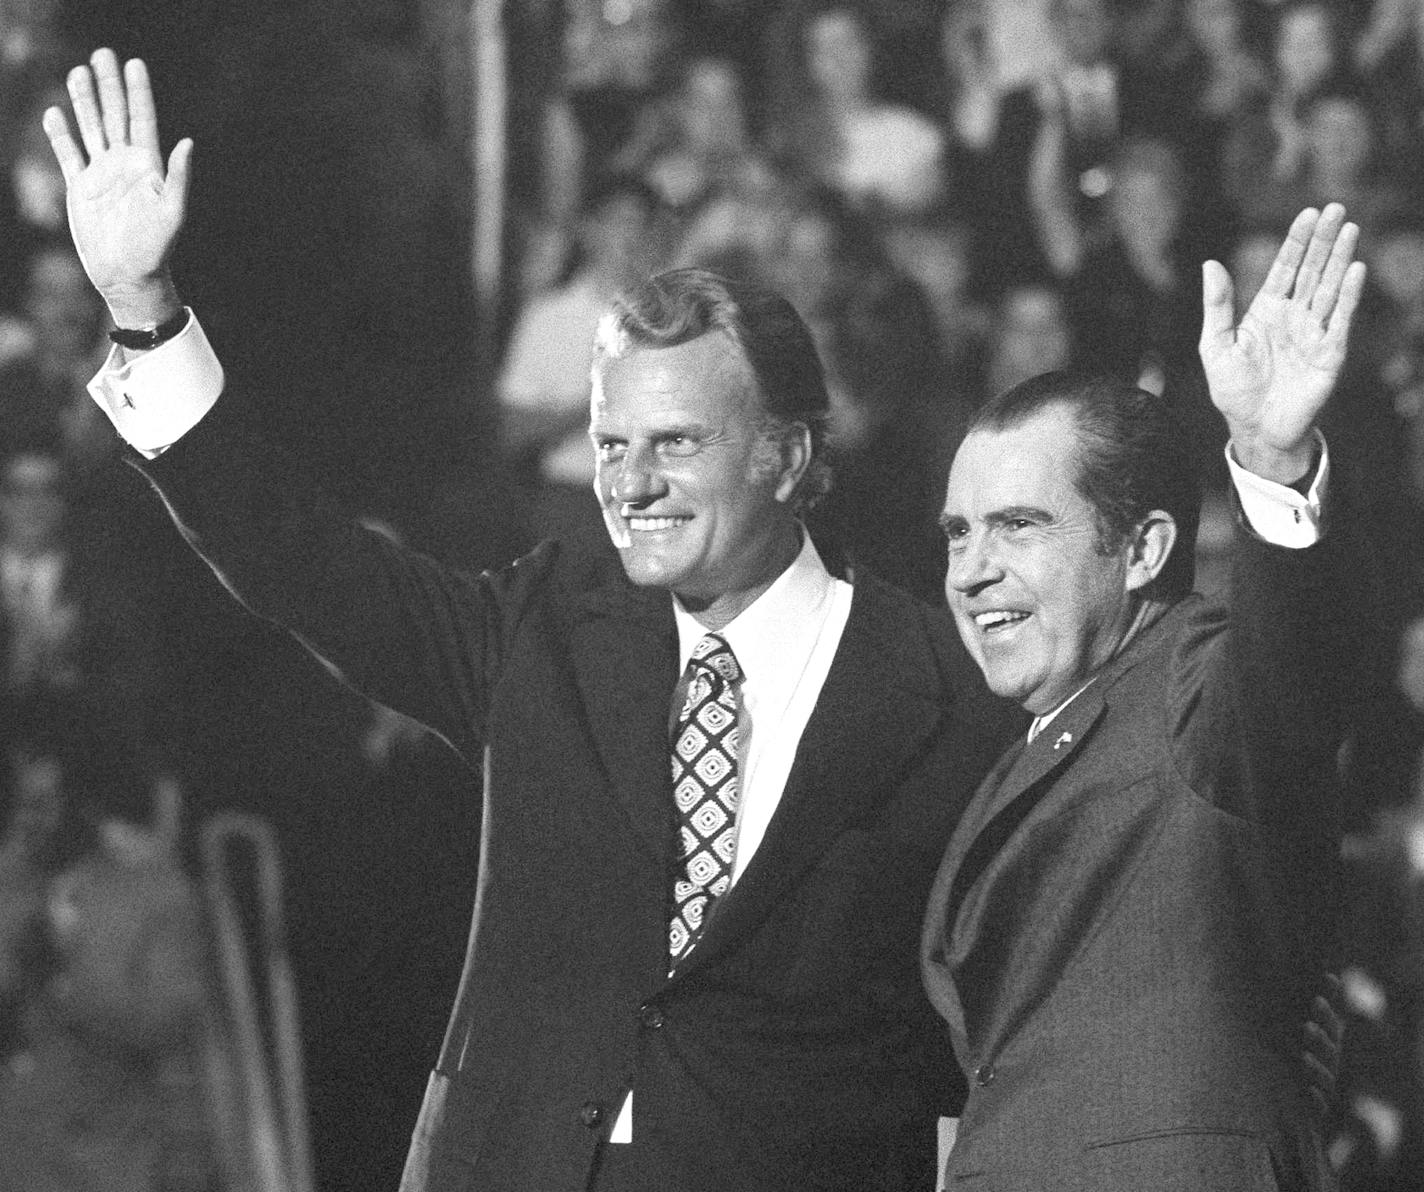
{"x": 999, "y": 620}
{"x": 638, "y": 524}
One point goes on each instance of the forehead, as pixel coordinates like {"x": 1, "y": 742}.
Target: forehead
{"x": 705, "y": 380}
{"x": 1033, "y": 464}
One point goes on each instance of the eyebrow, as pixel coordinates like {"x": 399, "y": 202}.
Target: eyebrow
{"x": 955, "y": 521}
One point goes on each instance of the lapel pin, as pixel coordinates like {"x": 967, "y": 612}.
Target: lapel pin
{"x": 1063, "y": 739}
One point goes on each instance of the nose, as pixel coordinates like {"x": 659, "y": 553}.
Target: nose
{"x": 972, "y": 566}
{"x": 636, "y": 481}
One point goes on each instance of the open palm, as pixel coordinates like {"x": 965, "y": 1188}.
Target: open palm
{"x": 125, "y": 210}
{"x": 1271, "y": 375}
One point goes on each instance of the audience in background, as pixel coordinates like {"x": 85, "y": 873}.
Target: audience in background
{"x": 957, "y": 195}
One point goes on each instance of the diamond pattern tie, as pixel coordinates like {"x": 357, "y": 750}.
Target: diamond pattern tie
{"x": 705, "y": 789}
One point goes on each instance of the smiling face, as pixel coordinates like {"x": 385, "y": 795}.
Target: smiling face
{"x": 1039, "y": 603}
{"x": 696, "y": 495}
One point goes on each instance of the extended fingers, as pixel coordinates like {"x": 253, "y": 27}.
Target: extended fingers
{"x": 1342, "y": 252}
{"x": 86, "y": 110}
{"x": 1351, "y": 289}
{"x": 1282, "y": 276}
{"x": 61, "y": 140}
{"x": 1317, "y": 254}
{"x": 113, "y": 103}
{"x": 143, "y": 119}
{"x": 1218, "y": 303}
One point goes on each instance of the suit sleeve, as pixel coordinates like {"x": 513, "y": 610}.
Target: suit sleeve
{"x": 394, "y": 624}
{"x": 1266, "y": 687}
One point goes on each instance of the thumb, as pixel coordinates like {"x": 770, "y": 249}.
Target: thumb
{"x": 175, "y": 186}
{"x": 1218, "y": 304}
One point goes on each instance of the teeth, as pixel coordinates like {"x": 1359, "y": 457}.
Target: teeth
{"x": 654, "y": 523}
{"x": 998, "y": 617}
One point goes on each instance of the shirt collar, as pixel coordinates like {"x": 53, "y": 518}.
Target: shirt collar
{"x": 779, "y": 625}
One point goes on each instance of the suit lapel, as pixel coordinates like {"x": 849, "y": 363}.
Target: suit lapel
{"x": 882, "y": 700}
{"x": 1017, "y": 786}
{"x": 623, "y": 643}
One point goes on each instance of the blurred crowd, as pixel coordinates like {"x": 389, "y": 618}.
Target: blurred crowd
{"x": 956, "y": 194}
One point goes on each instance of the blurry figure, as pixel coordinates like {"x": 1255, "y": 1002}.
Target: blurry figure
{"x": 1228, "y": 72}
{"x": 1267, "y": 141}
{"x": 973, "y": 79}
{"x": 78, "y": 616}
{"x": 705, "y": 148}
{"x": 1397, "y": 266}
{"x": 1133, "y": 299}
{"x": 62, "y": 343}
{"x": 896, "y": 411}
{"x": 31, "y": 190}
{"x": 1378, "y": 1140}
{"x": 1337, "y": 159}
{"x": 938, "y": 257}
{"x": 1057, "y": 137}
{"x": 544, "y": 382}
{"x": 1031, "y": 335}
{"x": 27, "y": 32}
{"x": 617, "y": 64}
{"x": 102, "y": 1087}
{"x": 831, "y": 122}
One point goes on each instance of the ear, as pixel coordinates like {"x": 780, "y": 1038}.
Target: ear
{"x": 794, "y": 459}
{"x": 1151, "y": 545}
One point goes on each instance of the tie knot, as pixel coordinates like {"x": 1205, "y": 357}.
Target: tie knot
{"x": 714, "y": 654}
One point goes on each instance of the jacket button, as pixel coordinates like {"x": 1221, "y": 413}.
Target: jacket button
{"x": 984, "y": 1075}
{"x": 650, "y": 1016}
{"x": 591, "y": 1114}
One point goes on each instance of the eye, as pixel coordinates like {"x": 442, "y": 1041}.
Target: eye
{"x": 679, "y": 445}
{"x": 608, "y": 449}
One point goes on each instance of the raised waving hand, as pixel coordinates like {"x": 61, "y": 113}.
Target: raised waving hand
{"x": 1271, "y": 374}
{"x": 125, "y": 208}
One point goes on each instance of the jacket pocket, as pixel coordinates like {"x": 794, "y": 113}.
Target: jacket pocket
{"x": 1189, "y": 1159}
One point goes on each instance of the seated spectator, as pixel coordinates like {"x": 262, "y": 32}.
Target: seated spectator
{"x": 544, "y": 381}
{"x": 831, "y": 124}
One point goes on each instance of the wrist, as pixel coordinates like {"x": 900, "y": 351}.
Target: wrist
{"x": 144, "y": 305}
{"x": 1288, "y": 466}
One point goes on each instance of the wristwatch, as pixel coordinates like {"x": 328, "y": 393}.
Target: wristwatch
{"x": 140, "y": 339}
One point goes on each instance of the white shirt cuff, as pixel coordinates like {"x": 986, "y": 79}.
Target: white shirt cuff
{"x": 154, "y": 398}
{"x": 1277, "y": 513}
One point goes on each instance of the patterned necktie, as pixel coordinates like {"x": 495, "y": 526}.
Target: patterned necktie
{"x": 704, "y": 782}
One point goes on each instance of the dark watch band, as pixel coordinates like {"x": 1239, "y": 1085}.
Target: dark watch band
{"x": 141, "y": 338}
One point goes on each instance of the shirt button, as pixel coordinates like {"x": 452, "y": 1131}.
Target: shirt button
{"x": 591, "y": 1114}
{"x": 984, "y": 1075}
{"x": 650, "y": 1016}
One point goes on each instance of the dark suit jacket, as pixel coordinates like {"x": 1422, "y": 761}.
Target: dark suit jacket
{"x": 794, "y": 1047}
{"x": 1135, "y": 910}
